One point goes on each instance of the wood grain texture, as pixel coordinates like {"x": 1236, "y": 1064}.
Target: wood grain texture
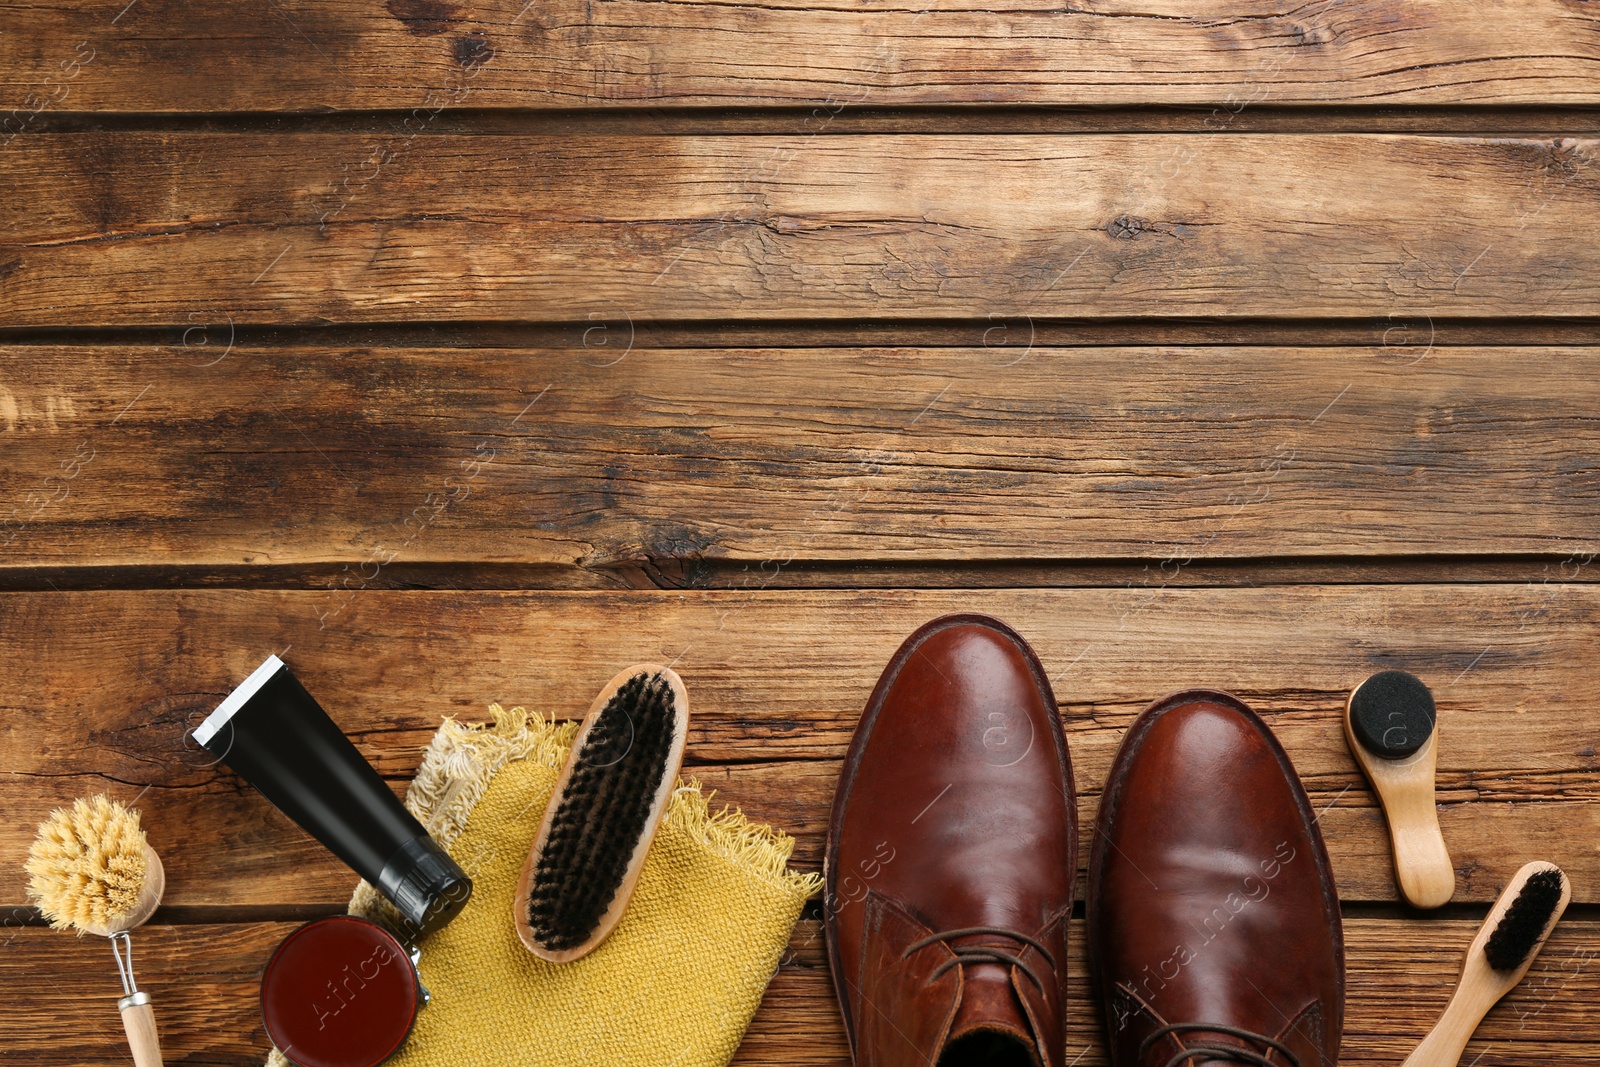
{"x": 588, "y": 460}
{"x": 618, "y": 178}
{"x": 102, "y": 688}
{"x": 162, "y": 55}
{"x": 188, "y": 229}
{"x": 61, "y": 996}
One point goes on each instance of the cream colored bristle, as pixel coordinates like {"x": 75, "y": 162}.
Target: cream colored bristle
{"x": 88, "y": 864}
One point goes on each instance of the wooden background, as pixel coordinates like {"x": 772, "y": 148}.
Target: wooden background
{"x": 465, "y": 352}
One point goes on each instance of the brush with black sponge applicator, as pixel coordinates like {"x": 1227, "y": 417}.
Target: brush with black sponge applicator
{"x": 1392, "y": 727}
{"x": 1499, "y": 956}
{"x": 603, "y": 814}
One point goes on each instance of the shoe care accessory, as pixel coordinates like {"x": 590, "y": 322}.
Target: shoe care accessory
{"x": 681, "y": 975}
{"x": 1392, "y": 728}
{"x": 1499, "y": 956}
{"x": 91, "y": 868}
{"x": 340, "y": 992}
{"x": 603, "y": 814}
{"x": 278, "y": 738}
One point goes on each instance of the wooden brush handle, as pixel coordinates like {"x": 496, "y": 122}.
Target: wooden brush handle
{"x": 1405, "y": 788}
{"x": 1448, "y": 1039}
{"x": 1421, "y": 861}
{"x": 1481, "y": 986}
{"x": 139, "y": 1019}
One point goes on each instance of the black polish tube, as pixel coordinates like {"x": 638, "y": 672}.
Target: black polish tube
{"x": 278, "y": 738}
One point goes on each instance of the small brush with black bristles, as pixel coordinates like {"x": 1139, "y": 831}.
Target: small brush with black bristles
{"x": 1500, "y": 955}
{"x": 603, "y": 814}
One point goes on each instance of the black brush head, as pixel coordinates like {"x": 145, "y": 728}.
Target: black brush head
{"x": 1392, "y": 714}
{"x": 1517, "y": 933}
{"x": 603, "y": 811}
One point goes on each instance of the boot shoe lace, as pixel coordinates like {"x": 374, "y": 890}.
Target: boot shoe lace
{"x": 984, "y": 953}
{"x": 1236, "y": 1053}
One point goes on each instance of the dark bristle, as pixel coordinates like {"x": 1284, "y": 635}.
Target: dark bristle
{"x": 1519, "y": 929}
{"x": 1392, "y": 714}
{"x": 602, "y": 812}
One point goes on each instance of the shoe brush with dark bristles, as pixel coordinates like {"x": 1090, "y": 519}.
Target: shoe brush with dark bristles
{"x": 600, "y": 821}
{"x": 1500, "y": 955}
{"x": 1391, "y": 726}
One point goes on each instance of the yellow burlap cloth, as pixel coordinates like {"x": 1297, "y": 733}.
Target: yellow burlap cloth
{"x": 677, "y": 981}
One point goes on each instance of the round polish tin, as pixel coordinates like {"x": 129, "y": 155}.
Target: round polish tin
{"x": 339, "y": 992}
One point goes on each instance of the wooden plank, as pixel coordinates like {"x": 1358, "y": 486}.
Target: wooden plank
{"x": 700, "y": 572}
{"x": 1390, "y": 331}
{"x": 204, "y": 982}
{"x": 590, "y": 460}
{"x": 103, "y": 686}
{"x": 186, "y": 229}
{"x": 162, "y": 55}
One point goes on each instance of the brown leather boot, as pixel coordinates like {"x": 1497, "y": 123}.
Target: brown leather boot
{"x": 1214, "y": 932}
{"x": 952, "y": 854}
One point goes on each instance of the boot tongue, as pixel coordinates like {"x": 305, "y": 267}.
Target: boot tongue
{"x": 1192, "y": 1038}
{"x": 988, "y": 1002}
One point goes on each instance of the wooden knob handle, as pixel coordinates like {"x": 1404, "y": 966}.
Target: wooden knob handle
{"x": 139, "y": 1019}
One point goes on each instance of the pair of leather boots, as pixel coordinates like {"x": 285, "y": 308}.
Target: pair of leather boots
{"x": 1212, "y": 921}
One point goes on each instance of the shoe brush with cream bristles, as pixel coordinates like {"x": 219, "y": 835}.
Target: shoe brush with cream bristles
{"x": 1498, "y": 957}
{"x": 1392, "y": 728}
{"x": 603, "y": 814}
{"x": 91, "y": 869}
